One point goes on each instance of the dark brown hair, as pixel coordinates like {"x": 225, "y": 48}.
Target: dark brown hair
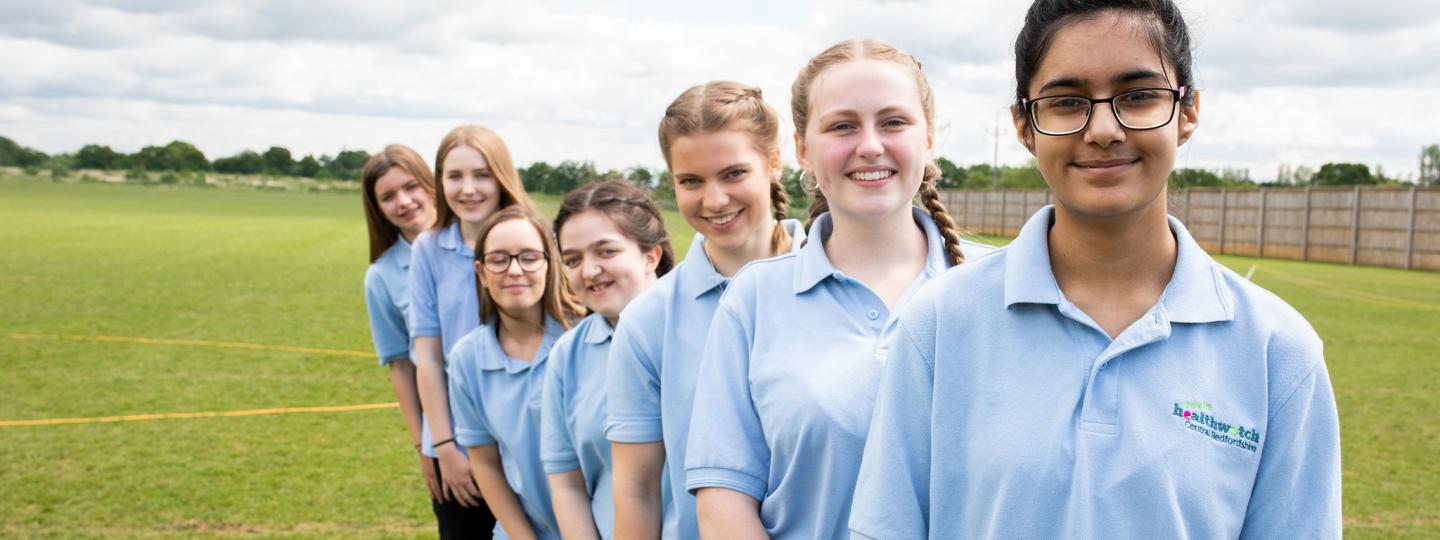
{"x": 722, "y": 105}
{"x": 497, "y": 158}
{"x": 383, "y": 233}
{"x": 874, "y": 49}
{"x": 632, "y": 212}
{"x": 556, "y": 301}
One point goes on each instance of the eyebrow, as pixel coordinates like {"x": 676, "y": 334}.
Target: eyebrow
{"x": 1123, "y": 78}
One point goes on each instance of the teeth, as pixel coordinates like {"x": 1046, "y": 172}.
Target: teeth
{"x": 870, "y": 176}
{"x": 727, "y": 218}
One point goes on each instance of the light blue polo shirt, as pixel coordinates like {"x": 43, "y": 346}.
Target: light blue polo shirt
{"x": 443, "y": 301}
{"x": 573, "y": 415}
{"x": 1006, "y": 412}
{"x": 387, "y": 298}
{"x": 653, "y": 363}
{"x": 495, "y": 399}
{"x": 791, "y": 367}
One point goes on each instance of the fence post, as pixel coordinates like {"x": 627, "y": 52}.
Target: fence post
{"x": 1355, "y": 225}
{"x": 1224, "y": 204}
{"x": 1305, "y": 229}
{"x": 1260, "y": 242}
{"x": 1410, "y": 234}
{"x": 1004, "y": 208}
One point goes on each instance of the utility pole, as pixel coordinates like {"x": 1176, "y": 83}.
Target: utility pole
{"x": 994, "y": 134}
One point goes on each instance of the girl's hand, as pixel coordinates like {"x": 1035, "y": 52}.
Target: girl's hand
{"x": 455, "y": 471}
{"x": 427, "y": 471}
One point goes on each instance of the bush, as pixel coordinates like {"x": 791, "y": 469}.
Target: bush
{"x": 59, "y": 171}
{"x": 169, "y": 178}
{"x": 199, "y": 179}
{"x": 31, "y": 170}
{"x": 137, "y": 175}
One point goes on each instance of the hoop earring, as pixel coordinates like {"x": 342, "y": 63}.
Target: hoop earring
{"x": 811, "y": 188}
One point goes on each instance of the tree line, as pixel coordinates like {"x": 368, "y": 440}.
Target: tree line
{"x": 542, "y": 177}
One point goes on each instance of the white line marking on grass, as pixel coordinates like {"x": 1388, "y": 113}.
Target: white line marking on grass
{"x": 182, "y": 416}
{"x": 1250, "y": 273}
{"x": 194, "y": 343}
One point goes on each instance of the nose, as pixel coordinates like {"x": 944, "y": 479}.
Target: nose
{"x": 1104, "y": 129}
{"x": 715, "y": 196}
{"x": 870, "y": 146}
{"x": 513, "y": 268}
{"x": 589, "y": 269}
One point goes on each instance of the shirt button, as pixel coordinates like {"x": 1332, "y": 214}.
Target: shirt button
{"x": 872, "y": 314}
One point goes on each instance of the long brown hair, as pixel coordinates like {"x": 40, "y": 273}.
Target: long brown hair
{"x": 630, "y": 209}
{"x": 383, "y": 233}
{"x": 556, "y": 301}
{"x": 874, "y": 49}
{"x": 721, "y": 105}
{"x": 497, "y": 157}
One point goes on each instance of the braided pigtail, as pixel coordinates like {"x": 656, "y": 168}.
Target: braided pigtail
{"x": 779, "y": 200}
{"x": 930, "y": 199}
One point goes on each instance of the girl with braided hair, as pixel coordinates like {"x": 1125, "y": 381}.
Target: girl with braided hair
{"x": 721, "y": 142}
{"x": 781, "y": 420}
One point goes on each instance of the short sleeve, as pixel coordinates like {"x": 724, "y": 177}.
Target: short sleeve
{"x": 727, "y": 446}
{"x": 892, "y": 496}
{"x": 557, "y": 446}
{"x": 424, "y": 309}
{"x": 1297, "y": 487}
{"x": 632, "y": 382}
{"x": 466, "y": 409}
{"x": 387, "y": 323}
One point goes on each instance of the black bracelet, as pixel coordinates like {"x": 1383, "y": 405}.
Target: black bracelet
{"x": 443, "y": 443}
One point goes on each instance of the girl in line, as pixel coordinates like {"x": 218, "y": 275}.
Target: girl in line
{"x": 780, "y": 424}
{"x": 497, "y": 371}
{"x": 477, "y": 178}
{"x": 721, "y": 142}
{"x": 398, "y": 189}
{"x": 613, "y": 246}
{"x": 1102, "y": 376}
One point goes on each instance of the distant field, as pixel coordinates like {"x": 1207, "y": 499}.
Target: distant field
{"x": 283, "y": 270}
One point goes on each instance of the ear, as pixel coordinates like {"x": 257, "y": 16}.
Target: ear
{"x": 801, "y": 155}
{"x": 652, "y": 259}
{"x": 1022, "y": 132}
{"x": 480, "y": 271}
{"x": 1189, "y": 119}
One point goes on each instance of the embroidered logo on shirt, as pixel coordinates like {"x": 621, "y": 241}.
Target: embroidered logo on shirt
{"x": 1198, "y": 417}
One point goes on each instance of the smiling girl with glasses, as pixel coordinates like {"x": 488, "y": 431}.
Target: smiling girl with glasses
{"x": 1102, "y": 376}
{"x": 497, "y": 371}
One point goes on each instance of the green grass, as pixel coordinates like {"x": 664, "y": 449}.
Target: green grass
{"x": 285, "y": 269}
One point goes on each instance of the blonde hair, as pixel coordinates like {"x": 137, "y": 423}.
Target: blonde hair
{"x": 874, "y": 49}
{"x": 497, "y": 158}
{"x": 557, "y": 300}
{"x": 382, "y": 232}
{"x": 724, "y": 105}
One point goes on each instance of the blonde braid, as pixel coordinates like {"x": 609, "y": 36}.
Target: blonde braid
{"x": 930, "y": 198}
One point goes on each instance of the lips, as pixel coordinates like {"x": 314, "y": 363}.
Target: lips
{"x": 1105, "y": 165}
{"x": 599, "y": 288}
{"x": 724, "y": 220}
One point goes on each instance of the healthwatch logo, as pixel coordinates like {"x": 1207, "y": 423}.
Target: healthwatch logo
{"x": 1199, "y": 418}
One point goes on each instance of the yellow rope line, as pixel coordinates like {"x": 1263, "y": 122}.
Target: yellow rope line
{"x": 180, "y": 416}
{"x": 195, "y": 343}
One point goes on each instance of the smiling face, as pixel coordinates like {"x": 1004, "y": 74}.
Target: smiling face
{"x": 605, "y": 268}
{"x": 866, "y": 139}
{"x": 471, "y": 189}
{"x": 404, "y": 201}
{"x": 1106, "y": 170}
{"x": 722, "y": 187}
{"x": 515, "y": 289}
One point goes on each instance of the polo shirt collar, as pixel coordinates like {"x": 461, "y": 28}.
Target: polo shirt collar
{"x": 402, "y": 251}
{"x": 697, "y": 275}
{"x": 449, "y": 239}
{"x": 598, "y": 331}
{"x": 814, "y": 264}
{"x": 495, "y": 359}
{"x": 1195, "y": 294}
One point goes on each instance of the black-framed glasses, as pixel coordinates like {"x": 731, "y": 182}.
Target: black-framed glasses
{"x": 498, "y": 262}
{"x": 1139, "y": 109}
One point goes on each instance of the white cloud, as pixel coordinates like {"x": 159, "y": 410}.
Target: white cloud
{"x": 1289, "y": 81}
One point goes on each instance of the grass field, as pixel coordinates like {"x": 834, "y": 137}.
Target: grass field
{"x": 283, "y": 270}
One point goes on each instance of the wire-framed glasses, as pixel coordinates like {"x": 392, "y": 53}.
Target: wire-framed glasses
{"x": 1139, "y": 109}
{"x": 498, "y": 262}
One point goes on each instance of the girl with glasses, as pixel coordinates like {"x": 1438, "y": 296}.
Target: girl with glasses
{"x": 613, "y": 246}
{"x": 721, "y": 142}
{"x": 779, "y": 425}
{"x": 398, "y": 190}
{"x": 1102, "y": 376}
{"x": 497, "y": 371}
{"x": 477, "y": 178}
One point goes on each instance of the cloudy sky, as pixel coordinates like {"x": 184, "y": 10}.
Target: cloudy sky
{"x": 1297, "y": 82}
